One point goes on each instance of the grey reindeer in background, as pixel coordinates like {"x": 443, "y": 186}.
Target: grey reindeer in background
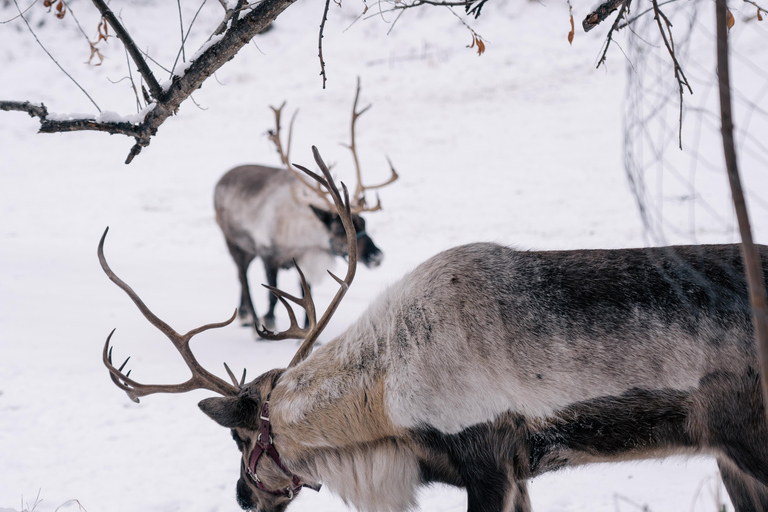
{"x": 486, "y": 366}
{"x": 281, "y": 217}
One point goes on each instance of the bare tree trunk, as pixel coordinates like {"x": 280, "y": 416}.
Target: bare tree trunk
{"x": 754, "y": 269}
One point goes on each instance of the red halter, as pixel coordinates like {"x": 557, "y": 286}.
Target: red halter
{"x": 264, "y": 445}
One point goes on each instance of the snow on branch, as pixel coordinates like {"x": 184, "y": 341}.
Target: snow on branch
{"x": 600, "y": 13}
{"x": 166, "y": 99}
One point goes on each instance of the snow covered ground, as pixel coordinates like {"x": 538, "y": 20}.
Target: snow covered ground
{"x": 521, "y": 146}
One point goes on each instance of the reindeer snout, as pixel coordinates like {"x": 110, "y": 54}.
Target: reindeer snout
{"x": 374, "y": 259}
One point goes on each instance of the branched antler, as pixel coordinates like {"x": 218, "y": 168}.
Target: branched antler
{"x": 359, "y": 205}
{"x": 314, "y": 328}
{"x": 201, "y": 378}
{"x": 284, "y": 152}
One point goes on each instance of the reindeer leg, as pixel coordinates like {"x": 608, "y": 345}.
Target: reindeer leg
{"x": 735, "y": 418}
{"x": 271, "y": 268}
{"x": 488, "y": 489}
{"x": 746, "y": 493}
{"x": 243, "y": 259}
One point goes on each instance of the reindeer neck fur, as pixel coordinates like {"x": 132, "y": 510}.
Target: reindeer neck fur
{"x": 331, "y": 425}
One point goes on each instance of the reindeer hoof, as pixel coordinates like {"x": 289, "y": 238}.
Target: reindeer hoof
{"x": 246, "y": 318}
{"x": 268, "y": 322}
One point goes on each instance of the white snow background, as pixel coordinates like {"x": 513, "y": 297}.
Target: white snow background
{"x": 520, "y": 146}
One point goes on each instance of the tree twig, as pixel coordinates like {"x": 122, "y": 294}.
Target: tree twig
{"x": 600, "y": 13}
{"x": 208, "y": 62}
{"x": 185, "y": 36}
{"x": 752, "y": 263}
{"x": 758, "y": 7}
{"x": 33, "y": 109}
{"x": 19, "y": 15}
{"x": 133, "y": 51}
{"x": 622, "y": 12}
{"x": 52, "y": 58}
{"x": 679, "y": 75}
{"x": 181, "y": 29}
{"x": 320, "y": 41}
{"x": 133, "y": 84}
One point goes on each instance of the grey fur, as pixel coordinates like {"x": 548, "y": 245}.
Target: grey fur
{"x": 265, "y": 212}
{"x": 486, "y": 366}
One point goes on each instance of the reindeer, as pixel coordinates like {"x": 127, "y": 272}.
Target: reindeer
{"x": 486, "y": 366}
{"x": 276, "y": 214}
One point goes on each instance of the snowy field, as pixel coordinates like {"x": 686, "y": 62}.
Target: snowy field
{"x": 521, "y": 146}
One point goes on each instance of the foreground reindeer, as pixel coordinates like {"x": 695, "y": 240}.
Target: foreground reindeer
{"x": 487, "y": 366}
{"x": 269, "y": 213}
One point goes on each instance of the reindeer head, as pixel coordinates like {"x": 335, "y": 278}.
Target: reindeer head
{"x": 369, "y": 254}
{"x": 265, "y": 483}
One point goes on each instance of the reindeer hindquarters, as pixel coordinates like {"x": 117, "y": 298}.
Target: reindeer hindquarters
{"x": 243, "y": 259}
{"x": 746, "y": 493}
{"x": 734, "y": 419}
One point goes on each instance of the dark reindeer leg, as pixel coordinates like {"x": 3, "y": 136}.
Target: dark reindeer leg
{"x": 735, "y": 418}
{"x": 517, "y": 497}
{"x": 746, "y": 493}
{"x": 271, "y": 268}
{"x": 487, "y": 488}
{"x": 243, "y": 259}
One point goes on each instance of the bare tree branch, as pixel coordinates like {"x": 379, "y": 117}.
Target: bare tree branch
{"x": 320, "y": 41}
{"x": 752, "y": 264}
{"x": 166, "y": 102}
{"x": 33, "y": 109}
{"x": 181, "y": 27}
{"x": 599, "y": 15}
{"x": 52, "y": 57}
{"x": 624, "y": 9}
{"x": 679, "y": 75}
{"x": 133, "y": 51}
{"x": 70, "y": 125}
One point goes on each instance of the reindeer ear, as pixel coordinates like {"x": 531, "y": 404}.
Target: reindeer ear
{"x": 325, "y": 216}
{"x": 232, "y": 412}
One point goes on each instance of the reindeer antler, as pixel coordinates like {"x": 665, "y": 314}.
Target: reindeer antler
{"x": 313, "y": 330}
{"x": 274, "y": 136}
{"x": 359, "y": 197}
{"x": 201, "y": 378}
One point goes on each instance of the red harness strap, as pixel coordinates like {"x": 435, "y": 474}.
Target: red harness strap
{"x": 264, "y": 445}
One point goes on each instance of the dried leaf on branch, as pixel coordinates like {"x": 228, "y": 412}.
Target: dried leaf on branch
{"x": 477, "y": 41}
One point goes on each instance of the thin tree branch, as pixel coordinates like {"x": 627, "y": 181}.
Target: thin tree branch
{"x": 133, "y": 83}
{"x": 69, "y": 125}
{"x": 33, "y": 109}
{"x": 320, "y": 41}
{"x": 52, "y": 58}
{"x": 181, "y": 29}
{"x": 758, "y": 7}
{"x": 650, "y": 9}
{"x": 624, "y": 9}
{"x": 599, "y": 15}
{"x": 679, "y": 75}
{"x": 236, "y": 12}
{"x": 133, "y": 51}
{"x": 752, "y": 263}
{"x": 185, "y": 36}
{"x": 181, "y": 87}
